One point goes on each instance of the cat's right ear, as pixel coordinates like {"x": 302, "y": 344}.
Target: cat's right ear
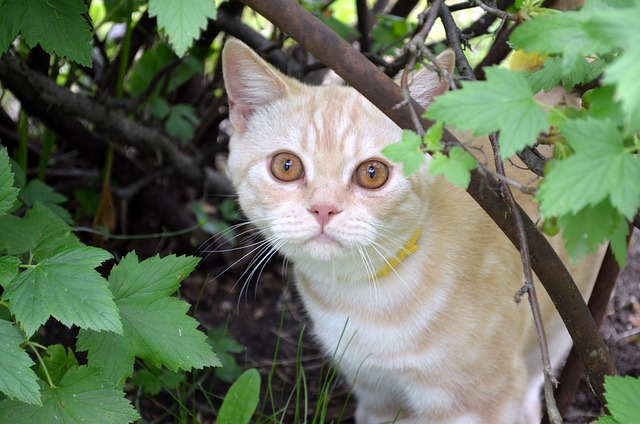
{"x": 251, "y": 82}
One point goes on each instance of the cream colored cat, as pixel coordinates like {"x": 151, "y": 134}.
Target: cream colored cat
{"x": 407, "y": 276}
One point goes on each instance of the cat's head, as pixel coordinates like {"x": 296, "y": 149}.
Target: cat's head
{"x": 307, "y": 166}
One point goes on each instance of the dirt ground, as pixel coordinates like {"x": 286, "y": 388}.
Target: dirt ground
{"x": 266, "y": 314}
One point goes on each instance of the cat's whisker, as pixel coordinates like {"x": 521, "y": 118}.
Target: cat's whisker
{"x": 377, "y": 247}
{"x": 260, "y": 266}
{"x": 263, "y": 250}
{"x": 222, "y": 240}
{"x": 258, "y": 246}
{"x": 223, "y": 235}
{"x": 371, "y": 272}
{"x": 269, "y": 249}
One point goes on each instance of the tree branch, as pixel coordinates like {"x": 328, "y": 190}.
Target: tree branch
{"x": 365, "y": 77}
{"x": 115, "y": 125}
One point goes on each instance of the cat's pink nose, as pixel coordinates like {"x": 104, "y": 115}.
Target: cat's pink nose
{"x": 323, "y": 213}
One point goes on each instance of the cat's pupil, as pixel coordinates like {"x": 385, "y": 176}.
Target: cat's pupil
{"x": 287, "y": 164}
{"x": 372, "y": 172}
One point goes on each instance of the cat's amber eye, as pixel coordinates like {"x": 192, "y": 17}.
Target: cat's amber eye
{"x": 372, "y": 174}
{"x": 286, "y": 167}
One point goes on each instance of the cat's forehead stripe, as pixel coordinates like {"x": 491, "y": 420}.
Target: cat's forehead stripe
{"x": 334, "y": 118}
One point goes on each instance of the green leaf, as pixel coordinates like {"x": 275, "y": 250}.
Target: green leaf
{"x": 155, "y": 326}
{"x": 40, "y": 232}
{"x": 618, "y": 242}
{"x": 81, "y": 396}
{"x": 181, "y": 121}
{"x": 555, "y": 71}
{"x": 600, "y": 169}
{"x": 558, "y": 33}
{"x": 599, "y": 28}
{"x": 152, "y": 383}
{"x": 504, "y": 102}
{"x": 623, "y": 73}
{"x": 8, "y": 269}
{"x": 17, "y": 380}
{"x": 182, "y": 20}
{"x": 241, "y": 400}
{"x": 456, "y": 167}
{"x": 607, "y": 420}
{"x": 623, "y": 398}
{"x": 147, "y": 67}
{"x": 547, "y": 77}
{"x": 433, "y": 136}
{"x": 224, "y": 345}
{"x": 8, "y": 193}
{"x": 37, "y": 191}
{"x": 407, "y": 152}
{"x": 585, "y": 230}
{"x": 67, "y": 287}
{"x": 57, "y": 361}
{"x": 58, "y": 26}
{"x": 601, "y": 104}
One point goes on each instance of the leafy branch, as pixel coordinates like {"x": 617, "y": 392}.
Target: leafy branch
{"x": 382, "y": 92}
{"x": 45, "y": 271}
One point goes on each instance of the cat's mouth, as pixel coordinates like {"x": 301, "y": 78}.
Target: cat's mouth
{"x": 324, "y": 246}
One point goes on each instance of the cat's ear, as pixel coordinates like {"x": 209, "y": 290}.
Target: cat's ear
{"x": 428, "y": 83}
{"x": 251, "y": 82}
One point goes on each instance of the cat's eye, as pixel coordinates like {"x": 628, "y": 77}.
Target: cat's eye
{"x": 372, "y": 174}
{"x": 286, "y": 167}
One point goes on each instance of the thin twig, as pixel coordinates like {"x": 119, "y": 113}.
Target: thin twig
{"x": 414, "y": 49}
{"x": 529, "y": 287}
{"x": 499, "y": 13}
{"x": 512, "y": 183}
{"x": 455, "y": 42}
{"x": 365, "y": 77}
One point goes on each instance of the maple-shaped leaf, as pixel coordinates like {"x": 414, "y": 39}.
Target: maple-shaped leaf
{"x": 37, "y": 191}
{"x": 67, "y": 287}
{"x": 456, "y": 167}
{"x": 407, "y": 152}
{"x": 586, "y": 230}
{"x": 600, "y": 169}
{"x": 504, "y": 102}
{"x": 82, "y": 396}
{"x": 8, "y": 193}
{"x": 554, "y": 72}
{"x": 623, "y": 398}
{"x": 182, "y": 20}
{"x": 8, "y": 269}
{"x": 623, "y": 72}
{"x": 156, "y": 326}
{"x": 601, "y": 28}
{"x": 58, "y": 26}
{"x": 17, "y": 379}
{"x": 40, "y": 232}
{"x": 57, "y": 362}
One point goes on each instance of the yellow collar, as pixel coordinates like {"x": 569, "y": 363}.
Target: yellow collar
{"x": 409, "y": 248}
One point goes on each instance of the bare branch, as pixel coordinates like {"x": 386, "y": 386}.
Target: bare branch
{"x": 455, "y": 42}
{"x": 495, "y": 11}
{"x": 365, "y": 77}
{"x": 529, "y": 286}
{"x": 17, "y": 77}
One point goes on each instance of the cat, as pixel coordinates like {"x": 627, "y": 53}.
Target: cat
{"x": 406, "y": 276}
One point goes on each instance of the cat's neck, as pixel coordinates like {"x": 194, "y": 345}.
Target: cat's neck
{"x": 375, "y": 264}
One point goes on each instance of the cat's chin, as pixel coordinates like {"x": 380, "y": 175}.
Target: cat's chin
{"x": 323, "y": 247}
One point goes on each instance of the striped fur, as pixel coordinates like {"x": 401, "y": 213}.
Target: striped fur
{"x": 437, "y": 340}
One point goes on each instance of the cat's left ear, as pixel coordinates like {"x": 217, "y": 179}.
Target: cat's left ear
{"x": 428, "y": 83}
{"x": 251, "y": 82}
